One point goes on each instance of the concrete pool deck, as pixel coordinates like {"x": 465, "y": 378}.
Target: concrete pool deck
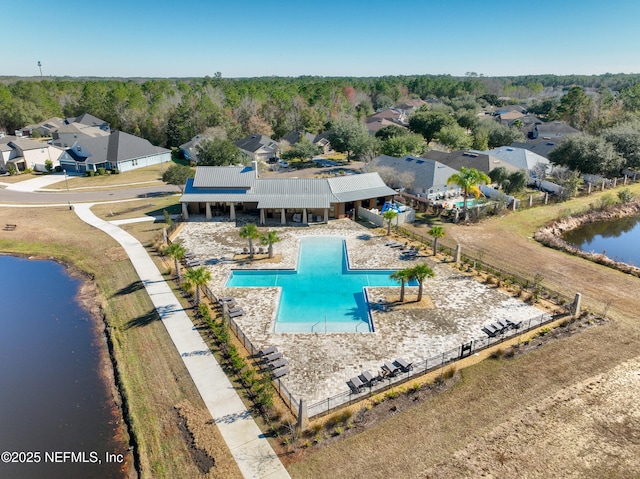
{"x": 321, "y": 363}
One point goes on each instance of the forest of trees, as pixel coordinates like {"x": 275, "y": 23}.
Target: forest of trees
{"x": 169, "y": 112}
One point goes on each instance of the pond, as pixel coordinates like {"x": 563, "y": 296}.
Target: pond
{"x": 57, "y": 416}
{"x": 618, "y": 239}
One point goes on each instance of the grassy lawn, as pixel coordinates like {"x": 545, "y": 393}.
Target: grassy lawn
{"x": 153, "y": 375}
{"x": 140, "y": 175}
{"x": 19, "y": 178}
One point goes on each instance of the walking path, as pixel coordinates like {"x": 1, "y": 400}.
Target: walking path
{"x": 249, "y": 447}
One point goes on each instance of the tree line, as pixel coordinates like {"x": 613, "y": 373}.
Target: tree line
{"x": 169, "y": 112}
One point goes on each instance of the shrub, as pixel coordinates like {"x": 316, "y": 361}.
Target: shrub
{"x": 625, "y": 196}
{"x": 12, "y": 169}
{"x": 497, "y": 353}
{"x": 115, "y": 171}
{"x": 102, "y": 171}
{"x": 339, "y": 430}
{"x": 449, "y": 372}
{"x": 509, "y": 353}
{"x": 544, "y": 331}
{"x": 90, "y": 173}
{"x": 48, "y": 165}
{"x": 346, "y": 415}
{"x": 167, "y": 218}
{"x": 392, "y": 394}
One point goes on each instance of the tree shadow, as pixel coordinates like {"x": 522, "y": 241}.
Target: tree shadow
{"x": 131, "y": 288}
{"x": 144, "y": 320}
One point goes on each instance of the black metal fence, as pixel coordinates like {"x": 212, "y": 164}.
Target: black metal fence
{"x": 431, "y": 364}
{"x": 289, "y": 399}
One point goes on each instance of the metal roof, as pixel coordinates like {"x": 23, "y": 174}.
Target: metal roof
{"x": 216, "y": 184}
{"x": 224, "y": 176}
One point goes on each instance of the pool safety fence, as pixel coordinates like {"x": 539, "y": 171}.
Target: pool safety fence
{"x": 475, "y": 261}
{"x": 431, "y": 364}
{"x": 288, "y": 398}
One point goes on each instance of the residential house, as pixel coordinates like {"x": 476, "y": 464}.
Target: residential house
{"x": 411, "y": 106}
{"x": 543, "y": 137}
{"x": 378, "y": 124}
{"x": 469, "y": 159}
{"x": 70, "y": 133}
{"x": 321, "y": 140}
{"x": 225, "y": 190}
{"x": 24, "y": 153}
{"x": 520, "y": 158}
{"x": 89, "y": 120}
{"x": 190, "y": 148}
{"x": 118, "y": 150}
{"x": 258, "y": 147}
{"x": 47, "y": 127}
{"x": 429, "y": 177}
{"x": 395, "y": 115}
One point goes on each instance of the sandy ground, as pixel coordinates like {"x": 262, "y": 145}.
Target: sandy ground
{"x": 591, "y": 429}
{"x": 321, "y": 363}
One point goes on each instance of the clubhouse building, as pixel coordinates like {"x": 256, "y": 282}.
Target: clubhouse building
{"x": 227, "y": 190}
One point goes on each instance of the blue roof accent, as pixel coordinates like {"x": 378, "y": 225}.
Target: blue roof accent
{"x": 189, "y": 188}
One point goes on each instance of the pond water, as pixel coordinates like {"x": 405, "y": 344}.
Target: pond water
{"x": 618, "y": 239}
{"x": 55, "y": 410}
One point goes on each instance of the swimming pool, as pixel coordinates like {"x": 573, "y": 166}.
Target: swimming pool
{"x": 323, "y": 294}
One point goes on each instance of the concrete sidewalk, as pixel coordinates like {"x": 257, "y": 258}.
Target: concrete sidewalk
{"x": 249, "y": 447}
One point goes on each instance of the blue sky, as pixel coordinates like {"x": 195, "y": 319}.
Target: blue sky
{"x": 246, "y": 38}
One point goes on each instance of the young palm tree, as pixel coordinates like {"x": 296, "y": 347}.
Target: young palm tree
{"x": 436, "y": 232}
{"x": 389, "y": 215}
{"x": 177, "y": 252}
{"x": 468, "y": 179}
{"x": 197, "y": 277}
{"x": 420, "y": 273}
{"x": 402, "y": 275}
{"x": 268, "y": 239}
{"x": 250, "y": 232}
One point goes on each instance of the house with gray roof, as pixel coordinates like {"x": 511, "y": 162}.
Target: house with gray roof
{"x": 321, "y": 140}
{"x": 520, "y": 158}
{"x": 89, "y": 120}
{"x": 190, "y": 148}
{"x": 429, "y": 176}
{"x": 24, "y": 153}
{"x": 258, "y": 147}
{"x": 226, "y": 190}
{"x": 118, "y": 150}
{"x": 70, "y": 133}
{"x": 481, "y": 161}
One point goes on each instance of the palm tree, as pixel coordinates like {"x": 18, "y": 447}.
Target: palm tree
{"x": 468, "y": 179}
{"x": 403, "y": 276}
{"x": 436, "y": 232}
{"x": 389, "y": 215}
{"x": 420, "y": 273}
{"x": 268, "y": 239}
{"x": 250, "y": 232}
{"x": 197, "y": 277}
{"x": 177, "y": 252}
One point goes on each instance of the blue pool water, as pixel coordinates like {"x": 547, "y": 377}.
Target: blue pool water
{"x": 323, "y": 294}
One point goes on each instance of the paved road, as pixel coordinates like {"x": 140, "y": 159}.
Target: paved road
{"x": 22, "y": 197}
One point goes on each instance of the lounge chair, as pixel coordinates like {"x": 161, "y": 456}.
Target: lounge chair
{"x": 394, "y": 244}
{"x": 278, "y": 373}
{"x": 268, "y": 350}
{"x": 355, "y": 384}
{"x": 404, "y": 365}
{"x": 236, "y": 313}
{"x": 189, "y": 255}
{"x": 390, "y": 368}
{"x": 278, "y": 364}
{"x": 367, "y": 378}
{"x": 271, "y": 357}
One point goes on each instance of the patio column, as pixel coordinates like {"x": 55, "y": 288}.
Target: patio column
{"x": 261, "y": 216}
{"x": 326, "y": 215}
{"x": 185, "y": 211}
{"x": 304, "y": 216}
{"x": 232, "y": 213}
{"x": 283, "y": 217}
{"x": 207, "y": 209}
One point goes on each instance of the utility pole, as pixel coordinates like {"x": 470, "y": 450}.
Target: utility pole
{"x": 40, "y": 67}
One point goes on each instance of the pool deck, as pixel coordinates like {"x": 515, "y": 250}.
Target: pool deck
{"x": 321, "y": 363}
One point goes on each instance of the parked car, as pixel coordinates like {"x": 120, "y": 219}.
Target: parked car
{"x": 282, "y": 164}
